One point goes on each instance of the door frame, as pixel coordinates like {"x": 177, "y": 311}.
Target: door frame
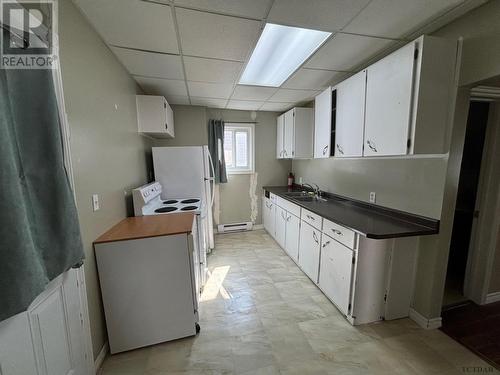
{"x": 482, "y": 246}
{"x": 68, "y": 164}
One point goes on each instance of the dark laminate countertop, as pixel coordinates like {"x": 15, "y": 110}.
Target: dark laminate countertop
{"x": 369, "y": 220}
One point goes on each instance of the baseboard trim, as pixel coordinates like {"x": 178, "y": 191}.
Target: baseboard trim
{"x": 424, "y": 322}
{"x": 492, "y": 297}
{"x": 101, "y": 356}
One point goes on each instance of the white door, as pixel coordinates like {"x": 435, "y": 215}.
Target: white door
{"x": 309, "y": 250}
{"x": 322, "y": 123}
{"x": 50, "y": 338}
{"x": 289, "y": 126}
{"x": 335, "y": 274}
{"x": 350, "y": 124}
{"x": 281, "y": 216}
{"x": 280, "y": 129}
{"x": 388, "y": 103}
{"x": 292, "y": 236}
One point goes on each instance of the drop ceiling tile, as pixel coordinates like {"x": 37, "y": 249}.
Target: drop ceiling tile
{"x": 245, "y": 8}
{"x": 346, "y": 51}
{"x": 209, "y": 102}
{"x": 210, "y": 70}
{"x": 150, "y": 64}
{"x": 287, "y": 95}
{"x": 247, "y": 105}
{"x": 386, "y": 19}
{"x": 242, "y": 92}
{"x": 312, "y": 79}
{"x": 212, "y": 35}
{"x": 210, "y": 90}
{"x": 178, "y": 100}
{"x": 159, "y": 86}
{"x": 329, "y": 15}
{"x": 275, "y": 107}
{"x": 132, "y": 23}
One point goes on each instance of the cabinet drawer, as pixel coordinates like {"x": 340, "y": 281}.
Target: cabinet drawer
{"x": 311, "y": 218}
{"x": 339, "y": 233}
{"x": 288, "y": 206}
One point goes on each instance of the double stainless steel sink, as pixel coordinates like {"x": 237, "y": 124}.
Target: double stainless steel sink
{"x": 303, "y": 196}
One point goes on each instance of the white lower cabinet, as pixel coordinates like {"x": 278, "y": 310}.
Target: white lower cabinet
{"x": 309, "y": 249}
{"x": 367, "y": 279}
{"x": 292, "y": 236}
{"x": 336, "y": 271}
{"x": 268, "y": 216}
{"x": 280, "y": 228}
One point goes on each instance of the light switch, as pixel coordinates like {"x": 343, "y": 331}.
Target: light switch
{"x": 95, "y": 202}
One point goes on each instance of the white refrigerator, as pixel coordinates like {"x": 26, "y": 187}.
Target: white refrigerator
{"x": 186, "y": 172}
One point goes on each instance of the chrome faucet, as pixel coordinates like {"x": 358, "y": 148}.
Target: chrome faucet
{"x": 315, "y": 188}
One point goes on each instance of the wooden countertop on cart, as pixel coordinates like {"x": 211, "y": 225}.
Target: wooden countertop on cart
{"x": 133, "y": 228}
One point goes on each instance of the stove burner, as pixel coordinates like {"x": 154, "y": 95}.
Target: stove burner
{"x": 165, "y": 209}
{"x": 171, "y": 201}
{"x": 189, "y": 208}
{"x": 190, "y": 201}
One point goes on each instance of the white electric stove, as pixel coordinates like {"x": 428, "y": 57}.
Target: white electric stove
{"x": 147, "y": 201}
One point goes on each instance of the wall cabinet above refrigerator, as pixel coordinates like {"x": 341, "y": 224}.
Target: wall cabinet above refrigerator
{"x": 155, "y": 117}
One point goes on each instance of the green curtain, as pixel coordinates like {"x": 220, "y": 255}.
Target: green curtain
{"x": 39, "y": 230}
{"x": 216, "y": 148}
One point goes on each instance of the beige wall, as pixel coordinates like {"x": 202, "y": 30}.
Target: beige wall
{"x": 191, "y": 129}
{"x": 108, "y": 155}
{"x": 494, "y": 286}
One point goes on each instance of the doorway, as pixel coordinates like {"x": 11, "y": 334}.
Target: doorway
{"x": 466, "y": 201}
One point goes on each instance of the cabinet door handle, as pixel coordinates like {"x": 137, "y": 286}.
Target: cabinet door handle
{"x": 315, "y": 238}
{"x": 339, "y": 148}
{"x": 371, "y": 145}
{"x": 326, "y": 243}
{"x": 325, "y": 149}
{"x": 285, "y": 154}
{"x": 166, "y": 126}
{"x": 310, "y": 217}
{"x": 283, "y": 215}
{"x": 336, "y": 231}
{"x": 288, "y": 218}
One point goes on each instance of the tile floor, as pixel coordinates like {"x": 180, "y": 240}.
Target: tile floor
{"x": 261, "y": 315}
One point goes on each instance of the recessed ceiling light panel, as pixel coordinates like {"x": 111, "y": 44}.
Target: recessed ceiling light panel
{"x": 279, "y": 52}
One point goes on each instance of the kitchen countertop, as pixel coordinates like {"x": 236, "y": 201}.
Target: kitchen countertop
{"x": 366, "y": 219}
{"x": 133, "y": 228}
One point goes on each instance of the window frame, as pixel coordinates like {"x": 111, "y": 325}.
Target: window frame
{"x": 249, "y": 128}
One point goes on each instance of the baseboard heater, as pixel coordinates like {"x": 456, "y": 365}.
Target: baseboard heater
{"x": 234, "y": 227}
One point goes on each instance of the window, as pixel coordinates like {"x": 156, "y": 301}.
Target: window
{"x": 239, "y": 148}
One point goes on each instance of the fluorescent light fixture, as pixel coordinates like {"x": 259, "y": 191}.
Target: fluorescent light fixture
{"x": 279, "y": 52}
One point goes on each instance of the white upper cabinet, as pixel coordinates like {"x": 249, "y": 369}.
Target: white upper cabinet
{"x": 388, "y": 103}
{"x": 289, "y": 131}
{"x": 155, "y": 116}
{"x": 295, "y": 134}
{"x": 322, "y": 123}
{"x": 400, "y": 105}
{"x": 280, "y": 137}
{"x": 350, "y": 116}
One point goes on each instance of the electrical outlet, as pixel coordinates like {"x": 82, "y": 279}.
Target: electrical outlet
{"x": 95, "y": 202}
{"x": 373, "y": 197}
{"x": 300, "y": 181}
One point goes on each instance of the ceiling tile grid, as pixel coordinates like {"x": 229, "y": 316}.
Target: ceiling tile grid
{"x": 194, "y": 51}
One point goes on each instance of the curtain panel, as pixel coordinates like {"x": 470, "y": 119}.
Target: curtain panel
{"x": 39, "y": 229}
{"x": 216, "y": 148}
